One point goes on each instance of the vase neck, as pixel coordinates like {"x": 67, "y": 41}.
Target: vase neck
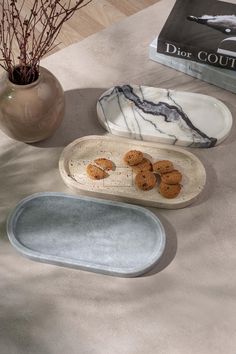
{"x": 26, "y": 86}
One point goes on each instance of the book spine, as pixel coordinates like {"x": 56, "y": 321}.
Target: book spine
{"x": 219, "y": 77}
{"x": 199, "y": 55}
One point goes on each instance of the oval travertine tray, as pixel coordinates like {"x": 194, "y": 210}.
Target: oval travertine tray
{"x": 120, "y": 183}
{"x": 164, "y": 116}
{"x": 87, "y": 233}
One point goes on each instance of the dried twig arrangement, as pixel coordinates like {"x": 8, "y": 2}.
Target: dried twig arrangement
{"x": 19, "y": 29}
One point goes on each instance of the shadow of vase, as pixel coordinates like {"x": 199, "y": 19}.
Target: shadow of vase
{"x": 80, "y": 118}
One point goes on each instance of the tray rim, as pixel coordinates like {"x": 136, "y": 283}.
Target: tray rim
{"x": 74, "y": 185}
{"x": 118, "y": 131}
{"x": 82, "y": 265}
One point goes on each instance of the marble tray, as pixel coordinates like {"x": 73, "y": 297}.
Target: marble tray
{"x": 120, "y": 183}
{"x": 86, "y": 233}
{"x": 165, "y": 116}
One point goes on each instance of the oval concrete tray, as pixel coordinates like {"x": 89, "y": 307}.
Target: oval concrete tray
{"x": 120, "y": 183}
{"x": 87, "y": 233}
{"x": 164, "y": 116}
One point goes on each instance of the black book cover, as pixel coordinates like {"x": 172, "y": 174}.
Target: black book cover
{"x": 201, "y": 30}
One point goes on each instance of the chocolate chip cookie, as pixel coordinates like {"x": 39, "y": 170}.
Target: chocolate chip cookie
{"x": 133, "y": 157}
{"x": 145, "y": 180}
{"x": 96, "y": 172}
{"x": 105, "y": 164}
{"x": 163, "y": 166}
{"x": 173, "y": 177}
{"x": 144, "y": 165}
{"x": 169, "y": 191}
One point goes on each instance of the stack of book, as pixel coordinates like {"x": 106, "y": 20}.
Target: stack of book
{"x": 199, "y": 39}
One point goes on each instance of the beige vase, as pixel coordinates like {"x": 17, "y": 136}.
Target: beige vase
{"x": 32, "y": 112}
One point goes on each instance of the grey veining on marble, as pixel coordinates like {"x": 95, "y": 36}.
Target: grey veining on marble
{"x": 87, "y": 233}
{"x": 163, "y": 115}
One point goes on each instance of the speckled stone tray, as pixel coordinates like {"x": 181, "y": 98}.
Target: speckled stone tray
{"x": 164, "y": 116}
{"x": 120, "y": 183}
{"x": 87, "y": 233}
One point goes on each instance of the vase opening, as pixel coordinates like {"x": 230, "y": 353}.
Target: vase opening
{"x": 24, "y": 75}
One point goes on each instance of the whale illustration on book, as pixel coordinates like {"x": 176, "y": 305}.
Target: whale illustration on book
{"x": 223, "y": 23}
{"x": 165, "y": 116}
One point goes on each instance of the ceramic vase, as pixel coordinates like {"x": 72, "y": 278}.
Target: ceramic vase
{"x": 32, "y": 112}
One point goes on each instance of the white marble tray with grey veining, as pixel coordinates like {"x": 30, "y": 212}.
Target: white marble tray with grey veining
{"x": 87, "y": 233}
{"x": 165, "y": 116}
{"x": 120, "y": 183}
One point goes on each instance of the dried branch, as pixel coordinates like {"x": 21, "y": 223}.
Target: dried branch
{"x": 21, "y": 30}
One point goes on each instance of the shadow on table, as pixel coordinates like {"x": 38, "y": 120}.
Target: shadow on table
{"x": 211, "y": 185}
{"x": 170, "y": 248}
{"x": 80, "y": 118}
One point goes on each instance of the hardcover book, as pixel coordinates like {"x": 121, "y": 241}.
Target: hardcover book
{"x": 223, "y": 78}
{"x": 202, "y": 31}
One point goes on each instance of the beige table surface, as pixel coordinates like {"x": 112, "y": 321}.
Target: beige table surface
{"x": 187, "y": 304}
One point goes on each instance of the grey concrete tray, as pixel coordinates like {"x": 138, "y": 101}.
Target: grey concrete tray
{"x": 87, "y": 233}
